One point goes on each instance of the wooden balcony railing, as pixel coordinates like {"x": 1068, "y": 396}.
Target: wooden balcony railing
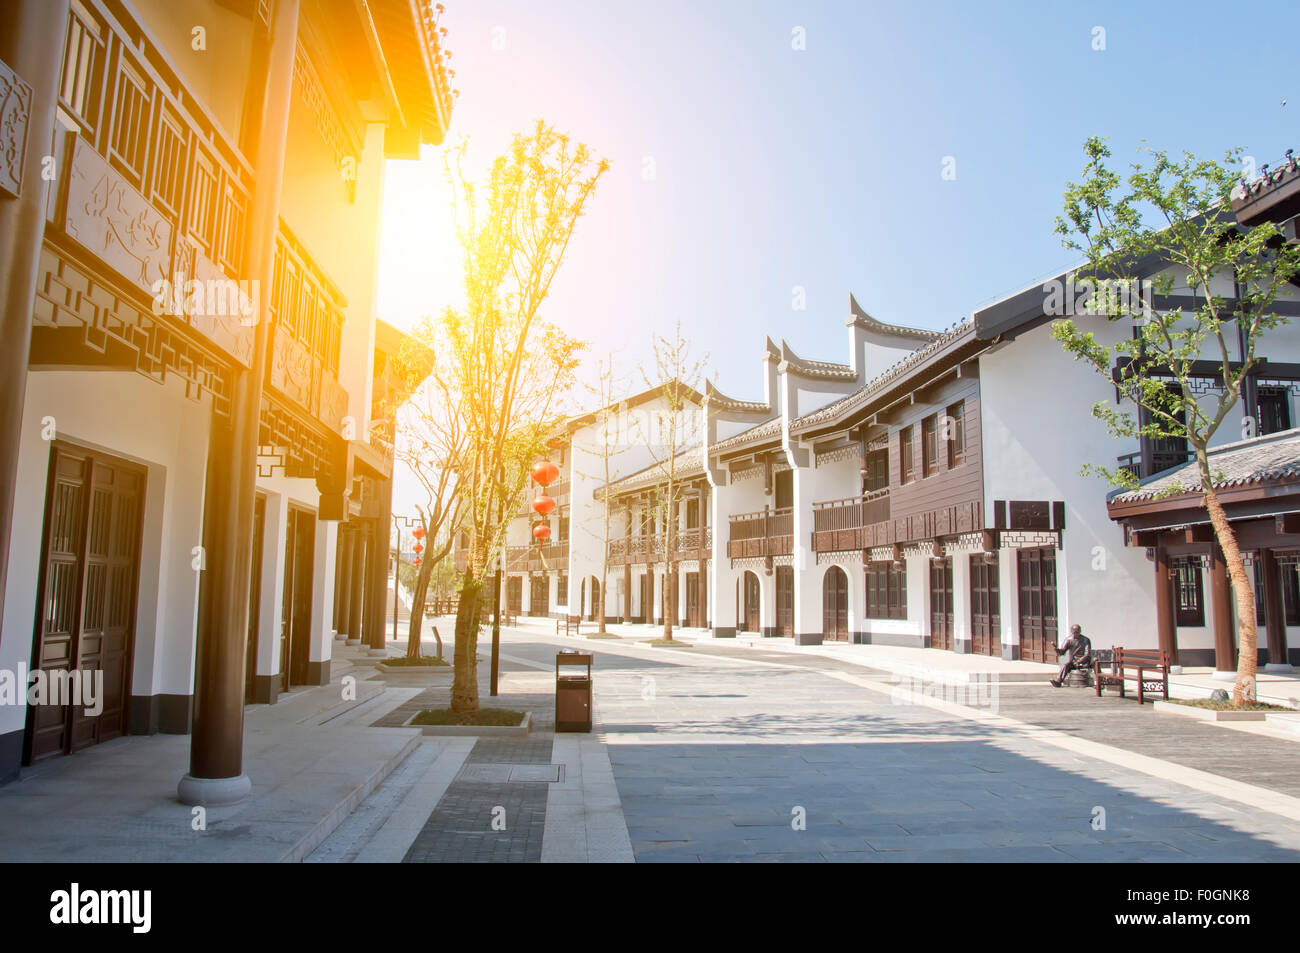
{"x": 150, "y": 184}
{"x": 307, "y": 311}
{"x": 1144, "y": 466}
{"x": 687, "y": 544}
{"x": 766, "y": 533}
{"x": 837, "y": 524}
{"x": 548, "y": 557}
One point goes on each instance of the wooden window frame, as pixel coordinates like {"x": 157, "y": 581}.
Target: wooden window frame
{"x": 929, "y": 446}
{"x": 1189, "y": 594}
{"x": 957, "y": 435}
{"x": 906, "y": 455}
{"x": 889, "y": 580}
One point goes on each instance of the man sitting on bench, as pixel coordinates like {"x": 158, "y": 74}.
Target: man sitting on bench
{"x": 1079, "y": 648}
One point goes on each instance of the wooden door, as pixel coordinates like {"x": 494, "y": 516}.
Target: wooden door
{"x": 693, "y": 600}
{"x": 785, "y": 601}
{"x": 303, "y": 583}
{"x": 539, "y": 601}
{"x": 1036, "y": 579}
{"x": 595, "y": 598}
{"x": 941, "y": 618}
{"x": 985, "y": 607}
{"x": 254, "y": 601}
{"x": 85, "y": 619}
{"x": 643, "y": 606}
{"x": 751, "y": 602}
{"x": 514, "y": 593}
{"x": 835, "y": 605}
{"x": 286, "y": 600}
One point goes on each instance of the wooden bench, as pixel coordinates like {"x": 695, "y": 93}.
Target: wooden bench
{"x": 1148, "y": 667}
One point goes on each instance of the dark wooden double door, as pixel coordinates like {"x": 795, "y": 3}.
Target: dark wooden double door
{"x": 696, "y": 599}
{"x": 296, "y": 598}
{"x": 835, "y": 605}
{"x": 941, "y": 603}
{"x": 750, "y": 596}
{"x": 985, "y": 607}
{"x": 86, "y": 602}
{"x": 1036, "y": 579}
{"x": 539, "y": 596}
{"x": 785, "y": 601}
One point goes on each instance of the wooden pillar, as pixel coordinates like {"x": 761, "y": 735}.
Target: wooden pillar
{"x": 1274, "y": 608}
{"x": 343, "y": 579}
{"x": 1166, "y": 630}
{"x": 1225, "y": 645}
{"x": 357, "y": 585}
{"x": 32, "y": 36}
{"x": 216, "y": 745}
{"x": 627, "y": 591}
{"x": 376, "y": 602}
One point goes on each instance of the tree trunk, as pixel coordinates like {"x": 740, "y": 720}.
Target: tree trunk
{"x": 1243, "y": 690}
{"x": 464, "y": 685}
{"x": 670, "y": 590}
{"x": 600, "y": 603}
{"x": 418, "y": 598}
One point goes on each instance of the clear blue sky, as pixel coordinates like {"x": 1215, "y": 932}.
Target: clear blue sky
{"x": 820, "y": 168}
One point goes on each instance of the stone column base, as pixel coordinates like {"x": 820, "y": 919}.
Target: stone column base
{"x": 213, "y": 792}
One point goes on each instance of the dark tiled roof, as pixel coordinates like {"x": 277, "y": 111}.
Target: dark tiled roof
{"x": 888, "y": 377}
{"x": 1268, "y": 180}
{"x": 1258, "y": 460}
{"x": 864, "y": 320}
{"x": 689, "y": 464}
{"x": 763, "y": 431}
{"x": 815, "y": 370}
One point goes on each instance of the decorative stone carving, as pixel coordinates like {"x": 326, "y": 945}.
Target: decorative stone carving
{"x": 291, "y": 368}
{"x": 228, "y": 331}
{"x": 15, "y": 115}
{"x": 333, "y": 402}
{"x": 113, "y": 220}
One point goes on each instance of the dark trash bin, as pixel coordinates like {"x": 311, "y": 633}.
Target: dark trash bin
{"x": 572, "y": 692}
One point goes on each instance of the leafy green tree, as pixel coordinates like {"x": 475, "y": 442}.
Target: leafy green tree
{"x": 1177, "y": 212}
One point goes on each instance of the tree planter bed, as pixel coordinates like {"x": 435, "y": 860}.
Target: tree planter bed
{"x": 415, "y": 671}
{"x": 1215, "y": 714}
{"x": 521, "y": 730}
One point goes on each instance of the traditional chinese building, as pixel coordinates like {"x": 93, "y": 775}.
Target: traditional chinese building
{"x": 197, "y": 455}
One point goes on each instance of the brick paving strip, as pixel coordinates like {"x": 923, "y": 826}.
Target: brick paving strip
{"x": 464, "y": 827}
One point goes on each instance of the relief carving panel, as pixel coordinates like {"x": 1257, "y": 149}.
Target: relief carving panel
{"x": 113, "y": 220}
{"x": 15, "y": 114}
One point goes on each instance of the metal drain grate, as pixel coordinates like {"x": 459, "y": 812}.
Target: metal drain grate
{"x": 500, "y": 773}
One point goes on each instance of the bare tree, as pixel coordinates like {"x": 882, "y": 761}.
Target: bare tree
{"x": 676, "y": 427}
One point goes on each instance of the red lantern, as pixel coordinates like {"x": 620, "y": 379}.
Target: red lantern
{"x": 418, "y": 547}
{"x": 543, "y": 504}
{"x": 416, "y": 562}
{"x": 541, "y": 531}
{"x": 418, "y": 533}
{"x": 545, "y": 472}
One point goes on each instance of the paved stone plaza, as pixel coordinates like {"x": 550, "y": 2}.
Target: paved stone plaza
{"x": 719, "y": 750}
{"x": 727, "y": 751}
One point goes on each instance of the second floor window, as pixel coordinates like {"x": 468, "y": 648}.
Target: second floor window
{"x": 956, "y": 434}
{"x": 692, "y": 514}
{"x": 1274, "y": 410}
{"x": 784, "y": 489}
{"x": 905, "y": 455}
{"x": 930, "y": 445}
{"x": 875, "y": 474}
